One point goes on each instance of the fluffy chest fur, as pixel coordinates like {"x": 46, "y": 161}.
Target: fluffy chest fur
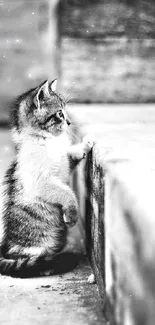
{"x": 43, "y": 161}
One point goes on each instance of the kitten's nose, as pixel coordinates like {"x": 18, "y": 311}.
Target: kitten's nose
{"x": 68, "y": 121}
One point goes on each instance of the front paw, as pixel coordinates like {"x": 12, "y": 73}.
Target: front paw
{"x": 88, "y": 143}
{"x": 70, "y": 216}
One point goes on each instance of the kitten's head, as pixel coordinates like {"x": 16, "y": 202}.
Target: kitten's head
{"x": 40, "y": 109}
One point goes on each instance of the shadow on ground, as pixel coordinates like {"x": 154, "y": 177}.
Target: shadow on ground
{"x": 61, "y": 263}
{"x": 66, "y": 262}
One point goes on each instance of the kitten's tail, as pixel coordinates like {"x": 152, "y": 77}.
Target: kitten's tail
{"x": 25, "y": 267}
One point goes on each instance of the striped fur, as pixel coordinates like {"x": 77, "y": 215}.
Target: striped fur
{"x": 39, "y": 204}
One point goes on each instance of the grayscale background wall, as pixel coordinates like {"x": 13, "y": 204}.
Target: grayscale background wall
{"x": 102, "y": 51}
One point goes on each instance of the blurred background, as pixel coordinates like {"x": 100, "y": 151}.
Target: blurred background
{"x": 101, "y": 50}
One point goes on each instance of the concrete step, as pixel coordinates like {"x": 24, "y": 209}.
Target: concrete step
{"x": 119, "y": 182}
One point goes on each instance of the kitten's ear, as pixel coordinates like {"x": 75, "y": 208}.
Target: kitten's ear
{"x": 53, "y": 85}
{"x": 42, "y": 92}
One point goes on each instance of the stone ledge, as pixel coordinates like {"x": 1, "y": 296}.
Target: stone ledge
{"x": 119, "y": 197}
{"x": 129, "y": 243}
{"x": 120, "y": 229}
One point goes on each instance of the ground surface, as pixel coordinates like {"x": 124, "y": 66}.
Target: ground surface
{"x": 66, "y": 298}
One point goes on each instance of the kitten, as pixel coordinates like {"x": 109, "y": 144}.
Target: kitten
{"x": 39, "y": 204}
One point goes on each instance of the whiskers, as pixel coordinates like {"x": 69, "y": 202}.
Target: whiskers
{"x": 72, "y": 134}
{"x": 67, "y": 97}
{"x": 74, "y": 126}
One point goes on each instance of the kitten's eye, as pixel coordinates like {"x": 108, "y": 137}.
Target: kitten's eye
{"x": 60, "y": 114}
